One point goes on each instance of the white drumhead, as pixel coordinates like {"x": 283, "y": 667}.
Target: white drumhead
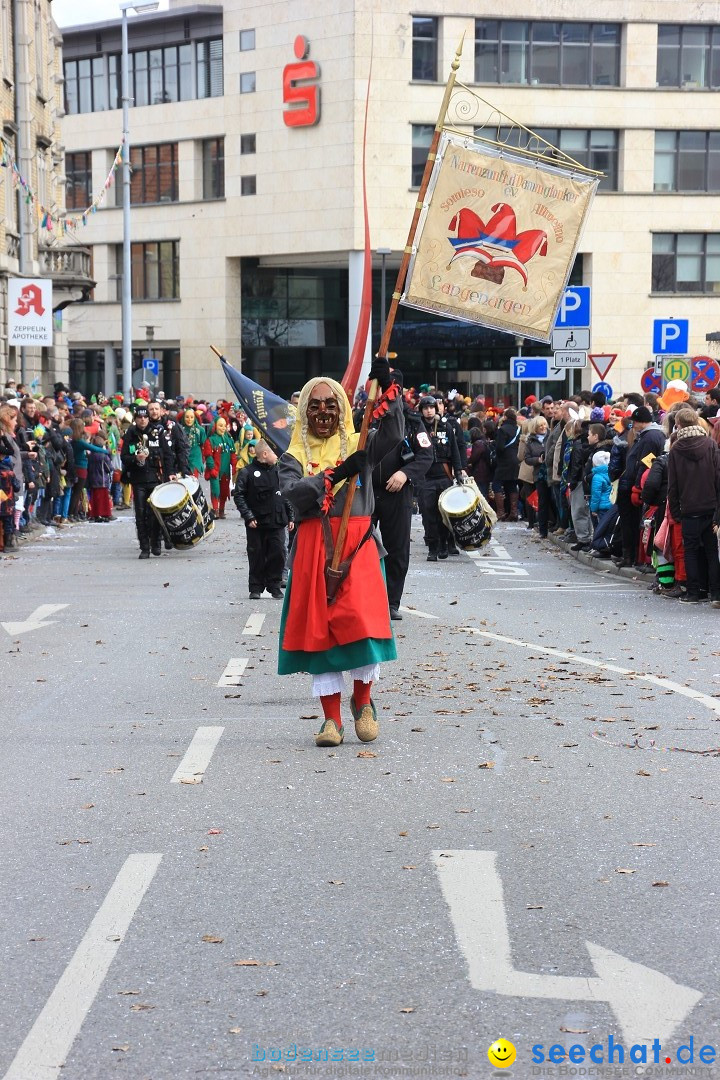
{"x": 458, "y": 500}
{"x": 191, "y": 483}
{"x": 167, "y": 496}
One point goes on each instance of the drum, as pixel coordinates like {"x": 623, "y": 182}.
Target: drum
{"x": 462, "y": 511}
{"x": 198, "y": 495}
{"x": 178, "y": 514}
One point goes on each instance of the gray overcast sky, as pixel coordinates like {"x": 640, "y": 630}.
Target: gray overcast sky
{"x": 74, "y": 12}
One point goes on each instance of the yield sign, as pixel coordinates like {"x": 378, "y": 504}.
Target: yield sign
{"x": 602, "y": 362}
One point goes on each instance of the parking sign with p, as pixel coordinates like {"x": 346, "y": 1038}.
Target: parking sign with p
{"x": 574, "y": 309}
{"x": 670, "y": 337}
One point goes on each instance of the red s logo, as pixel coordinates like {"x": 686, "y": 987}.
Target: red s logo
{"x": 303, "y": 99}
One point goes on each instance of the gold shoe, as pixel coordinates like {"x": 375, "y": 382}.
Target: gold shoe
{"x": 329, "y": 734}
{"x": 367, "y": 728}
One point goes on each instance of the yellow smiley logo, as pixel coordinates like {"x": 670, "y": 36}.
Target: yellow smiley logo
{"x": 501, "y": 1053}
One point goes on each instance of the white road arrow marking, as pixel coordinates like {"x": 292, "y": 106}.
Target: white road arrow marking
{"x": 35, "y": 621}
{"x": 647, "y": 1003}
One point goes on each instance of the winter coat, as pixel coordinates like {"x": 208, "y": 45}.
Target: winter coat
{"x": 479, "y": 464}
{"x": 535, "y": 454}
{"x": 600, "y": 489}
{"x": 99, "y": 471}
{"x": 694, "y": 477}
{"x": 618, "y": 456}
{"x": 656, "y": 485}
{"x": 257, "y": 496}
{"x": 506, "y": 445}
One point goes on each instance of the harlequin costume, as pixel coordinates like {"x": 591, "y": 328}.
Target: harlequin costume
{"x": 353, "y": 632}
{"x": 196, "y": 438}
{"x": 220, "y": 460}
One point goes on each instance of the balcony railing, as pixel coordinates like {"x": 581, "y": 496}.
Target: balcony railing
{"x": 66, "y": 265}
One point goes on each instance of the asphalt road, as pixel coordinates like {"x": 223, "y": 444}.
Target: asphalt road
{"x": 192, "y": 888}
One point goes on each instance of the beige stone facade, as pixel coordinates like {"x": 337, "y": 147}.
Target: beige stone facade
{"x": 307, "y": 212}
{"x": 31, "y": 108}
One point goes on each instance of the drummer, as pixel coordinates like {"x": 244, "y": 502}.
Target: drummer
{"x": 147, "y": 460}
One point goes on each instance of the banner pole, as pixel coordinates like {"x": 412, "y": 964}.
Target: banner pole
{"x": 402, "y": 272}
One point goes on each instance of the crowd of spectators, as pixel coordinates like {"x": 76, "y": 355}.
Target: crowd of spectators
{"x": 60, "y": 454}
{"x": 636, "y": 480}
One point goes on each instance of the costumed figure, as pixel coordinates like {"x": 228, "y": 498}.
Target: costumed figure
{"x": 323, "y": 634}
{"x": 220, "y": 460}
{"x": 245, "y": 443}
{"x": 196, "y": 438}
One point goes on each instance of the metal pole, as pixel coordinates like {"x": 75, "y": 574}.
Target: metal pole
{"x": 126, "y": 275}
{"x": 382, "y": 291}
{"x": 23, "y": 144}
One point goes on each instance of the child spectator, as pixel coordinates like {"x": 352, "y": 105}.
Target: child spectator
{"x": 99, "y": 479}
{"x": 266, "y": 514}
{"x": 600, "y": 486}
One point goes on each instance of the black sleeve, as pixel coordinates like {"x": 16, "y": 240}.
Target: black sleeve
{"x": 240, "y": 496}
{"x": 457, "y": 462}
{"x": 416, "y": 469}
{"x": 181, "y": 447}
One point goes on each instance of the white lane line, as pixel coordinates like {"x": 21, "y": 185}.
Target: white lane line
{"x": 665, "y": 684}
{"x": 197, "y": 756}
{"x": 49, "y": 1041}
{"x": 234, "y": 672}
{"x": 420, "y": 614}
{"x": 254, "y": 623}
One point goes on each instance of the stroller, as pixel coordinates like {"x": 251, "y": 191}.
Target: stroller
{"x": 607, "y": 539}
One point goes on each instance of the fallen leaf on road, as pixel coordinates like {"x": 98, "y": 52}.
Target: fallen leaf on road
{"x": 336, "y": 882}
{"x": 366, "y": 753}
{"x": 661, "y": 882}
{"x": 214, "y": 832}
{"x": 128, "y": 993}
{"x": 534, "y": 907}
{"x": 309, "y": 716}
{"x": 140, "y": 1007}
{"x": 88, "y": 806}
{"x": 117, "y": 769}
{"x": 124, "y": 1047}
{"x": 575, "y": 1031}
{"x": 410, "y": 867}
{"x": 191, "y": 780}
{"x": 624, "y": 870}
{"x": 432, "y": 826}
{"x": 211, "y": 939}
{"x": 234, "y": 1031}
{"x": 464, "y": 810}
{"x": 402, "y": 834}
{"x": 486, "y": 765}
{"x": 37, "y": 939}
{"x": 262, "y": 993}
{"x": 447, "y": 779}
{"x": 408, "y": 1009}
{"x": 643, "y": 772}
{"x": 415, "y": 728}
{"x": 246, "y": 963}
{"x": 204, "y": 848}
{"x": 641, "y": 843}
{"x": 165, "y": 584}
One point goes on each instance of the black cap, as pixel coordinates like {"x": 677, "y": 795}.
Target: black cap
{"x": 141, "y": 410}
{"x": 642, "y": 415}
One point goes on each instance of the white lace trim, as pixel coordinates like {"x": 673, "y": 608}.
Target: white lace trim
{"x": 333, "y": 682}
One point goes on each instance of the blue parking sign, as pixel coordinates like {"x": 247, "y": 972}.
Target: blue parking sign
{"x": 151, "y": 364}
{"x": 574, "y": 307}
{"x": 670, "y": 337}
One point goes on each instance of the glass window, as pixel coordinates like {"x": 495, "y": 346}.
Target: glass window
{"x": 425, "y": 48}
{"x": 209, "y": 68}
{"x": 84, "y": 86}
{"x": 72, "y": 91}
{"x": 687, "y": 161}
{"x": 547, "y": 53}
{"x": 421, "y": 138}
{"x": 153, "y": 174}
{"x": 514, "y": 52}
{"x": 247, "y": 82}
{"x": 114, "y": 90}
{"x": 247, "y": 144}
{"x": 213, "y": 153}
{"x": 686, "y": 262}
{"x": 248, "y": 185}
{"x": 688, "y": 56}
{"x": 247, "y": 40}
{"x": 140, "y": 78}
{"x": 78, "y": 180}
{"x": 186, "y": 72}
{"x": 155, "y": 271}
{"x": 596, "y": 150}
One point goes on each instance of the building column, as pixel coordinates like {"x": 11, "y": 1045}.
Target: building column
{"x": 110, "y": 379}
{"x": 356, "y": 261}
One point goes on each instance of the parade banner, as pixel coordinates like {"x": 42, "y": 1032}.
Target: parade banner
{"x": 497, "y": 237}
{"x": 272, "y": 415}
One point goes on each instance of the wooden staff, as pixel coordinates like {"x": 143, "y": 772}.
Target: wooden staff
{"x": 390, "y": 321}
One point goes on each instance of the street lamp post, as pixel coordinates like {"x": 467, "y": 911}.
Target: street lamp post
{"x": 382, "y": 252}
{"x": 138, "y": 6}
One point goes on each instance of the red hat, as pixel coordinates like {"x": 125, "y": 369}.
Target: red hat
{"x": 530, "y": 399}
